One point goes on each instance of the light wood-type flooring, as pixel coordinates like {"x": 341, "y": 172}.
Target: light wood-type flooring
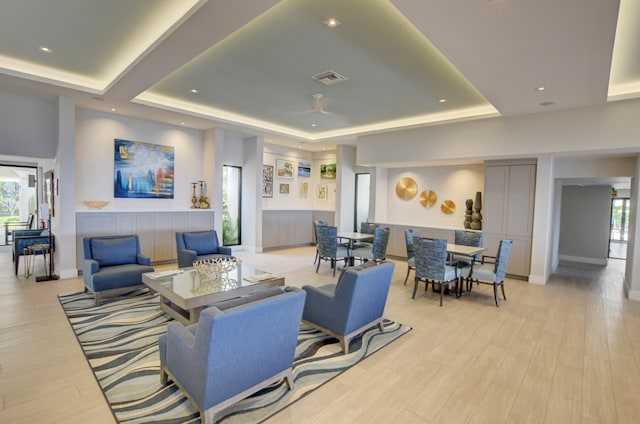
{"x": 565, "y": 352}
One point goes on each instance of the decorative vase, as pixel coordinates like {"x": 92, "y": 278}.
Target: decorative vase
{"x": 476, "y": 217}
{"x": 468, "y": 213}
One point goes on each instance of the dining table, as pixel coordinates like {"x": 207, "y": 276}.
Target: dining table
{"x": 464, "y": 250}
{"x": 352, "y": 237}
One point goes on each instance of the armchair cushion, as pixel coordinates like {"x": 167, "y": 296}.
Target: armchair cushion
{"x": 116, "y": 251}
{"x": 202, "y": 243}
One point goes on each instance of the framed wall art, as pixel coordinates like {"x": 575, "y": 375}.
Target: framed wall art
{"x": 304, "y": 169}
{"x": 143, "y": 170}
{"x": 328, "y": 171}
{"x": 267, "y": 181}
{"x": 322, "y": 192}
{"x": 284, "y": 189}
{"x": 303, "y": 190}
{"x": 48, "y": 191}
{"x": 284, "y": 168}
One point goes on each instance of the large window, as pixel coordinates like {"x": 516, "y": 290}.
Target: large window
{"x": 18, "y": 195}
{"x": 231, "y": 201}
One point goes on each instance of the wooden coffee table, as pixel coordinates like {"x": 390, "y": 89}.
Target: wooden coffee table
{"x": 184, "y": 293}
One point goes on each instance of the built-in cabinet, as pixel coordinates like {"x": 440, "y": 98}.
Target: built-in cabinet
{"x": 156, "y": 229}
{"x": 508, "y": 205}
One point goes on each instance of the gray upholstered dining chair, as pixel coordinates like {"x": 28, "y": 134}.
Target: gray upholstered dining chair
{"x": 378, "y": 250}
{"x": 411, "y": 262}
{"x": 328, "y": 247}
{"x": 467, "y": 238}
{"x": 492, "y": 273}
{"x": 315, "y": 233}
{"x": 431, "y": 265}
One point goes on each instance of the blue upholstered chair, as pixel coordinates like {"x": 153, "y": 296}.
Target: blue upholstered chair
{"x": 431, "y": 265}
{"x": 368, "y": 227}
{"x": 411, "y": 262}
{"x": 328, "y": 247}
{"x": 354, "y": 304}
{"x": 377, "y": 251}
{"x": 493, "y": 273}
{"x": 25, "y": 238}
{"x": 315, "y": 233}
{"x": 233, "y": 352}
{"x": 199, "y": 245}
{"x": 467, "y": 238}
{"x": 113, "y": 262}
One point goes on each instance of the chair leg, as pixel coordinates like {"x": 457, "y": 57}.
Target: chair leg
{"x": 415, "y": 288}
{"x": 334, "y": 265}
{"x": 441, "y": 293}
{"x": 495, "y": 294}
{"x": 502, "y": 288}
{"x": 407, "y": 277}
{"x": 17, "y": 262}
{"x": 318, "y": 266}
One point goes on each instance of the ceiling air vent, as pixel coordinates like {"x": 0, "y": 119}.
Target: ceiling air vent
{"x": 329, "y": 77}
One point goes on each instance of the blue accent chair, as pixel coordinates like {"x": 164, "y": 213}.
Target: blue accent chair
{"x": 236, "y": 349}
{"x": 378, "y": 250}
{"x": 431, "y": 265}
{"x": 354, "y": 304}
{"x": 492, "y": 273}
{"x": 113, "y": 262}
{"x": 467, "y": 238}
{"x": 26, "y": 238}
{"x": 199, "y": 245}
{"x": 411, "y": 262}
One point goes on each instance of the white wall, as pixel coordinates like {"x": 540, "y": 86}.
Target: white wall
{"x": 94, "y": 138}
{"x": 456, "y": 183}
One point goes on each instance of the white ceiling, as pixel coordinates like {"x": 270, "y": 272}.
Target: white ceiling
{"x": 252, "y": 60}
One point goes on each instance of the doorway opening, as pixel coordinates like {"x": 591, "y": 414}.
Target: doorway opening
{"x": 18, "y": 199}
{"x": 363, "y": 182}
{"x": 619, "y": 230}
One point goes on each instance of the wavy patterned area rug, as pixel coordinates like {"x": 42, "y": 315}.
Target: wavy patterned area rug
{"x": 120, "y": 341}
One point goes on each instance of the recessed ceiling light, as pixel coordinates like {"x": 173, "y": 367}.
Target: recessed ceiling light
{"x": 193, "y": 90}
{"x": 313, "y": 125}
{"x": 113, "y": 109}
{"x": 181, "y": 123}
{"x": 332, "y": 22}
{"x": 45, "y": 49}
{"x": 541, "y": 88}
{"x": 442, "y": 101}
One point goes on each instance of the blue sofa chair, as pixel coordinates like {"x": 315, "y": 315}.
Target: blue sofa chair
{"x": 199, "y": 245}
{"x": 113, "y": 262}
{"x": 351, "y": 306}
{"x": 26, "y": 238}
{"x": 237, "y": 348}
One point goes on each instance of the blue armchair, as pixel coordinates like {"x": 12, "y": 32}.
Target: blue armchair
{"x": 354, "y": 304}
{"x": 26, "y": 238}
{"x": 113, "y": 262}
{"x": 232, "y": 353}
{"x": 198, "y": 245}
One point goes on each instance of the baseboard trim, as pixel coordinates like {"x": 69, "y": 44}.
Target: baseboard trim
{"x": 584, "y": 260}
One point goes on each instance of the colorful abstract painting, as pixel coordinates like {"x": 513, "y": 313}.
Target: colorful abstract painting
{"x": 143, "y": 170}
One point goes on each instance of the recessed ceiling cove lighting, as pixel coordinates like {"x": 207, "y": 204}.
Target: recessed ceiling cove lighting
{"x": 45, "y": 49}
{"x": 113, "y": 109}
{"x": 541, "y": 88}
{"x": 193, "y": 90}
{"x": 442, "y": 101}
{"x": 332, "y": 22}
{"x": 313, "y": 125}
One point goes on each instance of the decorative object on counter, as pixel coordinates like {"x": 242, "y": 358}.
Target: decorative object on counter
{"x": 428, "y": 199}
{"x": 267, "y": 180}
{"x": 203, "y": 200}
{"x": 96, "y": 204}
{"x": 448, "y": 207}
{"x": 216, "y": 266}
{"x": 406, "y": 188}
{"x": 468, "y": 213}
{"x": 476, "y": 217}
{"x": 194, "y": 198}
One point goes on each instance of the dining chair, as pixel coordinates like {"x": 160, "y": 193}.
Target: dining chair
{"x": 430, "y": 257}
{"x": 378, "y": 250}
{"x": 467, "y": 238}
{"x": 368, "y": 227}
{"x": 328, "y": 247}
{"x": 492, "y": 273}
{"x": 315, "y": 233}
{"x": 408, "y": 238}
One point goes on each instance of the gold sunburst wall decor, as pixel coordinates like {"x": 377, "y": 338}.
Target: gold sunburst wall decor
{"x": 406, "y": 188}
{"x": 428, "y": 198}
{"x": 448, "y": 207}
